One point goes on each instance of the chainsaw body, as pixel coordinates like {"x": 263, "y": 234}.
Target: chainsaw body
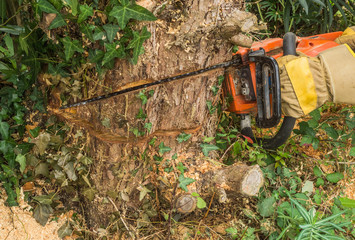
{"x": 253, "y": 87}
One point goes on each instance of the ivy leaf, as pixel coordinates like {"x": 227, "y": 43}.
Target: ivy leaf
{"x": 183, "y": 137}
{"x": 71, "y": 47}
{"x": 129, "y": 10}
{"x": 163, "y": 148}
{"x": 45, "y": 6}
{"x": 4, "y": 130}
{"x": 141, "y": 114}
{"x": 85, "y": 12}
{"x": 73, "y": 4}
{"x": 141, "y": 95}
{"x": 206, "y": 148}
{"x": 57, "y": 22}
{"x": 21, "y": 159}
{"x": 87, "y": 30}
{"x": 334, "y": 177}
{"x": 137, "y": 43}
{"x": 42, "y": 213}
{"x": 266, "y": 207}
{"x": 112, "y": 52}
{"x": 181, "y": 167}
{"x": 183, "y": 182}
{"x": 201, "y": 203}
{"x": 148, "y": 126}
{"x": 111, "y": 31}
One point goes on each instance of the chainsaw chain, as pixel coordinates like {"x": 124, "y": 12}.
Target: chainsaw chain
{"x": 234, "y": 61}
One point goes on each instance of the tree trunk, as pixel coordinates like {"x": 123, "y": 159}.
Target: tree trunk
{"x": 188, "y": 35}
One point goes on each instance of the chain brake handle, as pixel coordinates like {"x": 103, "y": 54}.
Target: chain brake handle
{"x": 268, "y": 97}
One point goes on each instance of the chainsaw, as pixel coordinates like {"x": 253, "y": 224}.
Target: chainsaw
{"x": 252, "y": 83}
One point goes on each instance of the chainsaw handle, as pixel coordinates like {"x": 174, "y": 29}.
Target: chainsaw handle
{"x": 289, "y": 44}
{"x": 289, "y": 48}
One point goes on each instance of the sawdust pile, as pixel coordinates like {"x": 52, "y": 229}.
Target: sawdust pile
{"x": 18, "y": 224}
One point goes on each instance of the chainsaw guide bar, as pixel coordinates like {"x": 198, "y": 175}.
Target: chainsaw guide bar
{"x": 234, "y": 61}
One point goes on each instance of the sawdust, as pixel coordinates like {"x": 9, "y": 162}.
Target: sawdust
{"x": 19, "y": 224}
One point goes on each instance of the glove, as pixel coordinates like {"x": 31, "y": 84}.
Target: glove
{"x": 348, "y": 37}
{"x": 308, "y": 82}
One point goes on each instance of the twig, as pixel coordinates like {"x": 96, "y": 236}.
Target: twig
{"x": 209, "y": 206}
{"x": 171, "y": 210}
{"x": 225, "y": 152}
{"x": 344, "y": 163}
{"x": 123, "y": 221}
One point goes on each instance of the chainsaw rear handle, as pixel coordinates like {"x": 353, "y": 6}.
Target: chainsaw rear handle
{"x": 289, "y": 48}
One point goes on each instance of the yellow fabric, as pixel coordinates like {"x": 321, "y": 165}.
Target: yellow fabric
{"x": 303, "y": 83}
{"x": 348, "y": 31}
{"x": 350, "y": 50}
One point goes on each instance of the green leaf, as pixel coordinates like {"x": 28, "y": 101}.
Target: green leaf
{"x": 9, "y": 44}
{"x": 183, "y": 182}
{"x": 148, "y": 126}
{"x": 319, "y": 182}
{"x": 129, "y": 10}
{"x": 35, "y": 132}
{"x": 71, "y": 47}
{"x": 112, "y": 52}
{"x": 206, "y": 148}
{"x": 111, "y": 31}
{"x": 57, "y": 22}
{"x": 4, "y": 130}
{"x": 266, "y": 207}
{"x": 23, "y": 43}
{"x": 2, "y": 10}
{"x": 317, "y": 172}
{"x": 201, "y": 203}
{"x": 73, "y": 4}
{"x": 141, "y": 114}
{"x": 304, "y": 5}
{"x": 210, "y": 107}
{"x": 85, "y": 12}
{"x": 106, "y": 122}
{"x": 319, "y": 2}
{"x": 21, "y": 159}
{"x": 42, "y": 213}
{"x": 141, "y": 95}
{"x": 183, "y": 137}
{"x": 137, "y": 43}
{"x": 45, "y": 6}
{"x": 346, "y": 202}
{"x": 65, "y": 230}
{"x": 352, "y": 152}
{"x": 233, "y": 232}
{"x": 208, "y": 139}
{"x": 215, "y": 90}
{"x": 181, "y": 167}
{"x": 331, "y": 132}
{"x": 163, "y": 149}
{"x": 335, "y": 177}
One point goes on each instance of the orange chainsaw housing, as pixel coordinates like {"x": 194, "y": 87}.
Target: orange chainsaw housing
{"x": 310, "y": 46}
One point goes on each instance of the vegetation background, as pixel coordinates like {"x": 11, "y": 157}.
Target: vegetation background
{"x": 58, "y": 51}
